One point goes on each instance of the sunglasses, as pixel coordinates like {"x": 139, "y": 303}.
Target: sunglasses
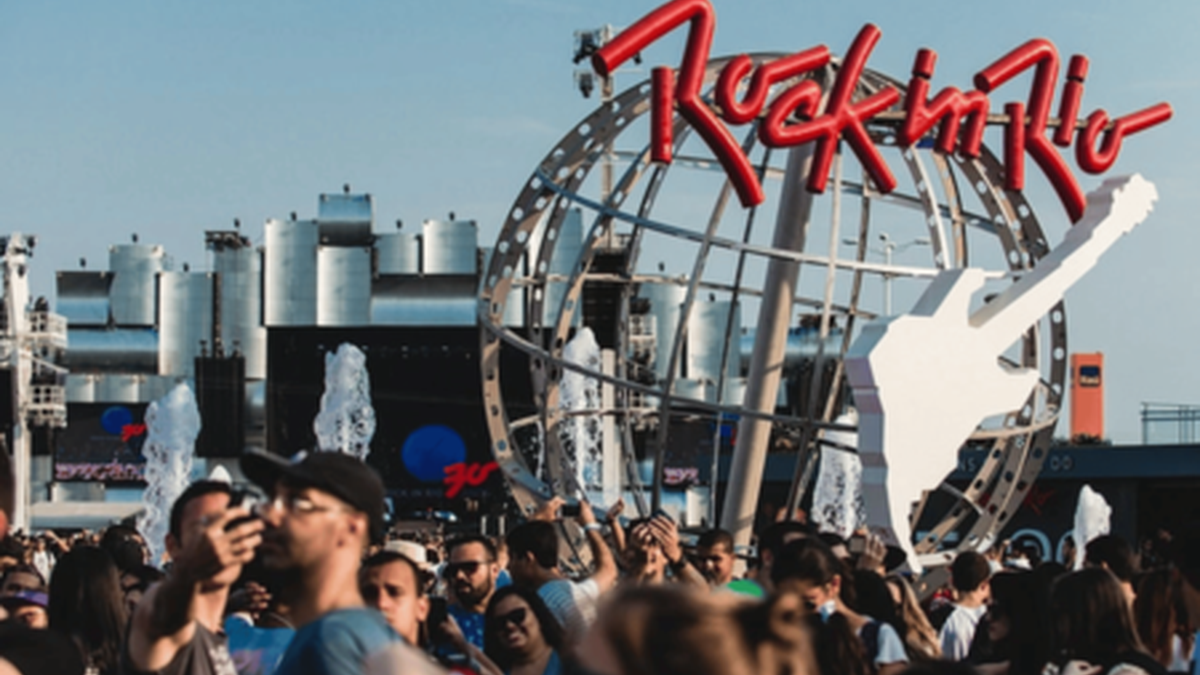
{"x": 468, "y": 568}
{"x": 515, "y": 617}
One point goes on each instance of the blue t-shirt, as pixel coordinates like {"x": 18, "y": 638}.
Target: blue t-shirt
{"x": 338, "y": 643}
{"x": 256, "y": 651}
{"x": 471, "y": 624}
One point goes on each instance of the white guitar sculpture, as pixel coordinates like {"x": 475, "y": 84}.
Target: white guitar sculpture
{"x": 924, "y": 381}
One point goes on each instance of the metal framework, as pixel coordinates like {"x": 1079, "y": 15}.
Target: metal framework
{"x": 940, "y": 186}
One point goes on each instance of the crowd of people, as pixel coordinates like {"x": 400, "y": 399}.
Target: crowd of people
{"x": 311, "y": 581}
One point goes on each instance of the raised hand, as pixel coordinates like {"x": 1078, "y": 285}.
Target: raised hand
{"x": 615, "y": 511}
{"x": 548, "y": 511}
{"x": 210, "y": 548}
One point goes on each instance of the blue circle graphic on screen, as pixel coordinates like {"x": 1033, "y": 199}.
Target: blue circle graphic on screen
{"x": 430, "y": 449}
{"x": 115, "y": 419}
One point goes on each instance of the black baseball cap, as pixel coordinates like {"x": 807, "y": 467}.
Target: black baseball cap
{"x": 343, "y": 476}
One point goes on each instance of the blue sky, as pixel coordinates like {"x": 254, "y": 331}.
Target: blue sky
{"x": 167, "y": 118}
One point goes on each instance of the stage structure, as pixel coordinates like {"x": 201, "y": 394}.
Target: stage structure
{"x": 958, "y": 203}
{"x": 33, "y": 402}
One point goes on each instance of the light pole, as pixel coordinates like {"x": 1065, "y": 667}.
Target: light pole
{"x": 889, "y": 246}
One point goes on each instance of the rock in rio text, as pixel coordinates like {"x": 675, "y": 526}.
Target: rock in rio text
{"x": 960, "y": 117}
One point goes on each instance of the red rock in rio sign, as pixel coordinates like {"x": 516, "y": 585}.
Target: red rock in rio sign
{"x": 461, "y": 475}
{"x": 845, "y": 119}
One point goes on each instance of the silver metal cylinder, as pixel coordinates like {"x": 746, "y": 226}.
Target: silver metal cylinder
{"x": 187, "y": 304}
{"x": 514, "y": 309}
{"x": 132, "y": 294}
{"x": 398, "y": 253}
{"x": 345, "y": 219}
{"x": 83, "y": 297}
{"x": 802, "y": 345}
{"x": 239, "y": 278}
{"x": 696, "y": 389}
{"x": 154, "y": 387}
{"x": 449, "y": 247}
{"x": 666, "y": 300}
{"x": 130, "y": 350}
{"x": 118, "y": 388}
{"x": 343, "y": 286}
{"x": 566, "y": 251}
{"x": 706, "y": 341}
{"x": 290, "y": 273}
{"x": 81, "y": 388}
{"x": 256, "y": 414}
{"x": 424, "y": 301}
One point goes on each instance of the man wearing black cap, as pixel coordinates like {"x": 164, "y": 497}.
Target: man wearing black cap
{"x": 325, "y": 508}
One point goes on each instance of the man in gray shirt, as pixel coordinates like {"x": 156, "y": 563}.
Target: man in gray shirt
{"x": 176, "y": 629}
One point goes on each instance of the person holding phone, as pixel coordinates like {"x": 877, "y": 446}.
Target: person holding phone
{"x": 177, "y": 626}
{"x": 533, "y": 564}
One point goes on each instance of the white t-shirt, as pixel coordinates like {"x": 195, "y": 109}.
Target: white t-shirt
{"x": 959, "y": 630}
{"x": 573, "y": 603}
{"x": 44, "y": 562}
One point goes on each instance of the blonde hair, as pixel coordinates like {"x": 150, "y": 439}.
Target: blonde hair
{"x": 920, "y": 639}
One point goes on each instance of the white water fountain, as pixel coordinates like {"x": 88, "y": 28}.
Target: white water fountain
{"x": 838, "y": 497}
{"x": 172, "y": 422}
{"x": 1093, "y": 518}
{"x": 581, "y": 434}
{"x": 346, "y": 421}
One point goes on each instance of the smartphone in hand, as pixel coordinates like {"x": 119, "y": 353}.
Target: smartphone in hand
{"x": 245, "y": 500}
{"x": 437, "y": 616}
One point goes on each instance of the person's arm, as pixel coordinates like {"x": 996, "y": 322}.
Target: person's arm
{"x": 605, "y": 575}
{"x": 164, "y": 619}
{"x": 667, "y": 535}
{"x": 479, "y": 661}
{"x": 873, "y": 554}
{"x": 613, "y": 518}
{"x": 62, "y": 546}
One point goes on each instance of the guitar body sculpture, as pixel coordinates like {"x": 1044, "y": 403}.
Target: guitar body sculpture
{"x": 924, "y": 381}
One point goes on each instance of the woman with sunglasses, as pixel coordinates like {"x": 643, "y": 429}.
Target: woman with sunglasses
{"x": 523, "y": 637}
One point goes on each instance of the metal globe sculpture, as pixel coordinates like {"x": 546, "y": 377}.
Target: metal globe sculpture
{"x": 637, "y": 212}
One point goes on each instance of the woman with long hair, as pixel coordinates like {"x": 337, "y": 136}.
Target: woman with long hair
{"x": 920, "y": 639}
{"x": 1014, "y": 630}
{"x": 674, "y": 629}
{"x": 844, "y": 638}
{"x": 521, "y": 636}
{"x": 87, "y": 605}
{"x": 1092, "y": 627}
{"x": 1162, "y": 621}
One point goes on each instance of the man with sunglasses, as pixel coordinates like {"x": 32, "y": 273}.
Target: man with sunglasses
{"x": 325, "y": 509}
{"x": 470, "y": 575}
